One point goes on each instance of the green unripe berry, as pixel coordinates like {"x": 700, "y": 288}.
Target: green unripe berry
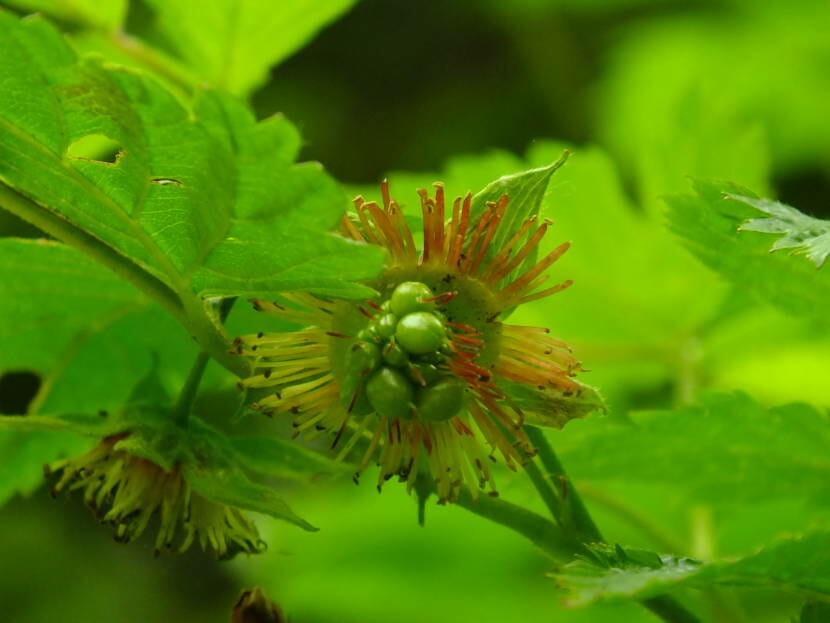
{"x": 394, "y": 355}
{"x": 410, "y": 296}
{"x": 441, "y": 400}
{"x": 420, "y": 333}
{"x": 435, "y": 358}
{"x": 369, "y": 333}
{"x": 386, "y": 325}
{"x": 353, "y": 395}
{"x": 390, "y": 393}
{"x": 363, "y": 358}
{"x": 423, "y": 374}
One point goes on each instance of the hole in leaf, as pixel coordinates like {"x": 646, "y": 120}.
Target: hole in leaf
{"x": 97, "y": 147}
{"x": 166, "y": 181}
{"x": 17, "y": 390}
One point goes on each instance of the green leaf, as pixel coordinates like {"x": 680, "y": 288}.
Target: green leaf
{"x": 805, "y": 234}
{"x": 526, "y": 191}
{"x": 233, "y": 44}
{"x": 709, "y": 224}
{"x": 210, "y": 461}
{"x": 729, "y": 450}
{"x": 551, "y": 407}
{"x": 77, "y": 423}
{"x": 103, "y": 14}
{"x": 800, "y": 565}
{"x": 211, "y": 468}
{"x": 23, "y": 453}
{"x": 195, "y": 200}
{"x": 50, "y": 297}
{"x": 681, "y": 96}
{"x": 278, "y": 458}
{"x": 75, "y": 324}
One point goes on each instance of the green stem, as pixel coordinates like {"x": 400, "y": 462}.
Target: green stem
{"x": 637, "y": 520}
{"x": 577, "y": 515}
{"x": 586, "y": 531}
{"x": 669, "y": 610}
{"x": 184, "y": 405}
{"x": 545, "y": 490}
{"x": 186, "y": 307}
{"x": 540, "y": 531}
{"x": 148, "y": 57}
{"x": 212, "y": 338}
{"x": 64, "y": 231}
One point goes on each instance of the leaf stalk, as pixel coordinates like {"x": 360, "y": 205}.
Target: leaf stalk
{"x": 184, "y": 404}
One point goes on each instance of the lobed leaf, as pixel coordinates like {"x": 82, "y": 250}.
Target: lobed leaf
{"x": 804, "y": 234}
{"x": 233, "y": 43}
{"x": 709, "y": 225}
{"x": 49, "y": 296}
{"x": 206, "y": 200}
{"x": 72, "y": 323}
{"x": 797, "y": 564}
{"x": 729, "y": 450}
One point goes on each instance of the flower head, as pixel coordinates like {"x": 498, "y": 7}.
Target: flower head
{"x": 129, "y": 492}
{"x": 418, "y": 375}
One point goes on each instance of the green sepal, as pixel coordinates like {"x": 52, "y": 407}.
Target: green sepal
{"x": 213, "y": 471}
{"x": 552, "y": 407}
{"x": 526, "y": 192}
{"x": 154, "y": 436}
{"x": 210, "y": 461}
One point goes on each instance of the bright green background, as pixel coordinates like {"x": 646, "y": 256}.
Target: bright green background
{"x": 645, "y": 93}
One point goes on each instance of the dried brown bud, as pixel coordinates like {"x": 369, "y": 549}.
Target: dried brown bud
{"x": 254, "y": 607}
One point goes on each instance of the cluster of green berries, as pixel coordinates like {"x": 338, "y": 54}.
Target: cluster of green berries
{"x": 397, "y": 367}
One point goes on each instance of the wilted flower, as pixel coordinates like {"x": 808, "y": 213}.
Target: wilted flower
{"x": 129, "y": 492}
{"x": 419, "y": 374}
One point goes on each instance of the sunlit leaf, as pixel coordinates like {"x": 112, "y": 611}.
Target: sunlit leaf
{"x": 198, "y": 202}
{"x": 804, "y": 234}
{"x": 794, "y": 564}
{"x": 104, "y": 14}
{"x": 232, "y": 43}
{"x": 709, "y": 224}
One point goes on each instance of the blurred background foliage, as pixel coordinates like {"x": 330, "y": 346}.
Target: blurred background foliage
{"x": 645, "y": 93}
